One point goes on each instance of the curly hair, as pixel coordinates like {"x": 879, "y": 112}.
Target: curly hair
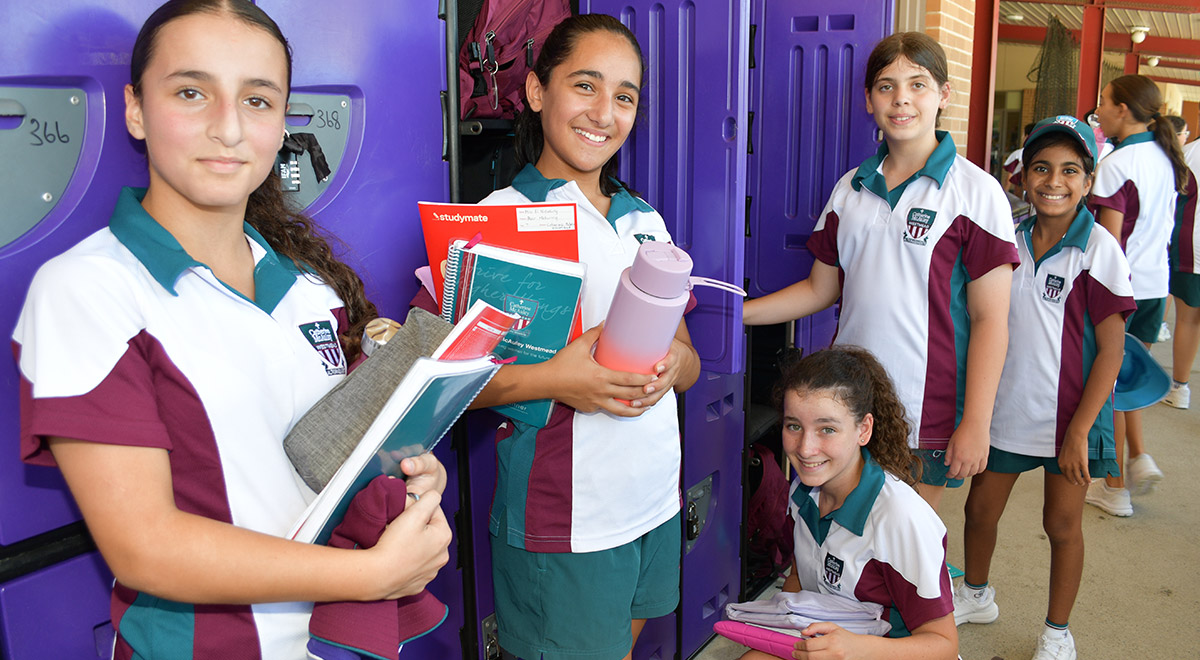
{"x": 859, "y": 382}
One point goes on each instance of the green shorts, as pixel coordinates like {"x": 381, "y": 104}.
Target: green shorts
{"x": 1186, "y": 287}
{"x": 1145, "y": 322}
{"x": 1006, "y": 462}
{"x": 933, "y": 468}
{"x": 578, "y": 606}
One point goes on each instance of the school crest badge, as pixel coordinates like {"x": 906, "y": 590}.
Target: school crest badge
{"x": 833, "y": 571}
{"x": 1054, "y": 288}
{"x": 324, "y": 340}
{"x": 916, "y": 230}
{"x": 642, "y": 238}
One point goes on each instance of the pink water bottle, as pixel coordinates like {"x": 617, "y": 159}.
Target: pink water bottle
{"x": 647, "y": 307}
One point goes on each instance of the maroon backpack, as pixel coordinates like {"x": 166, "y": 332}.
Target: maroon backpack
{"x": 768, "y": 526}
{"x": 499, "y": 53}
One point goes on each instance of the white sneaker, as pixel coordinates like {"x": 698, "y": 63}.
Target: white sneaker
{"x": 1055, "y": 648}
{"x": 1179, "y": 396}
{"x": 1113, "y": 501}
{"x": 974, "y": 605}
{"x": 1164, "y": 333}
{"x": 1144, "y": 474}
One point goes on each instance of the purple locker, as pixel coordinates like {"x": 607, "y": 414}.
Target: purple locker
{"x": 810, "y": 127}
{"x": 657, "y": 641}
{"x": 36, "y": 608}
{"x": 83, "y": 45}
{"x": 687, "y": 155}
{"x": 714, "y": 421}
{"x": 481, "y": 458}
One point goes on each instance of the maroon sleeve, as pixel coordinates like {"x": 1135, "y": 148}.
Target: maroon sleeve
{"x": 823, "y": 242}
{"x": 1102, "y": 303}
{"x": 984, "y": 251}
{"x": 122, "y": 410}
{"x": 880, "y": 583}
{"x": 1124, "y": 200}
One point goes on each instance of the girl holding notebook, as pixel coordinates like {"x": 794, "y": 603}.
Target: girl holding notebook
{"x": 585, "y": 521}
{"x": 212, "y": 318}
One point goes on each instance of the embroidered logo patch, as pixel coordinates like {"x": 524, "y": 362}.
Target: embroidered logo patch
{"x": 916, "y": 230}
{"x": 642, "y": 238}
{"x": 833, "y": 571}
{"x": 322, "y": 337}
{"x": 1054, "y": 288}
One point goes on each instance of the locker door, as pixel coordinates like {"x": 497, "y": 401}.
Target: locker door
{"x": 392, "y": 159}
{"x": 810, "y": 126}
{"x": 688, "y": 158}
{"x": 687, "y": 154}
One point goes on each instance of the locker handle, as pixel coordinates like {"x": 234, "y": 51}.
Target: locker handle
{"x": 11, "y": 108}
{"x": 300, "y": 110}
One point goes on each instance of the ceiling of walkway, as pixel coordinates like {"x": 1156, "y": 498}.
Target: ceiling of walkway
{"x": 1173, "y": 32}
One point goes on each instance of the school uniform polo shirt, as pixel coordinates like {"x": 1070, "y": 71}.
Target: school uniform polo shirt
{"x": 1055, "y": 305}
{"x": 884, "y": 545}
{"x": 125, "y": 339}
{"x": 589, "y": 481}
{"x": 905, "y": 257}
{"x": 1185, "y": 237}
{"x": 1137, "y": 179}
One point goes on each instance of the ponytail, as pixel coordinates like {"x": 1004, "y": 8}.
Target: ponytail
{"x": 1144, "y": 101}
{"x": 857, "y": 380}
{"x": 1164, "y": 135}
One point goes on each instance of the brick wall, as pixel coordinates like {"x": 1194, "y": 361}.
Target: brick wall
{"x": 952, "y": 24}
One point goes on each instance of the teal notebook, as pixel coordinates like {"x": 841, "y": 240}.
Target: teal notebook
{"x": 432, "y": 396}
{"x": 543, "y": 291}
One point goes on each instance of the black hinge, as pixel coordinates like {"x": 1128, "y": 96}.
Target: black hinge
{"x": 753, "y": 32}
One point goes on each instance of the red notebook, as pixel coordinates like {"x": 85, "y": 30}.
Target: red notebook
{"x": 546, "y": 229}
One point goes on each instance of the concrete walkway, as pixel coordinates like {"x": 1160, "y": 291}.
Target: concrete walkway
{"x": 1140, "y": 596}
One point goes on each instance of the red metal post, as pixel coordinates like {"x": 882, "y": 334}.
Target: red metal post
{"x": 1091, "y": 53}
{"x": 983, "y": 83}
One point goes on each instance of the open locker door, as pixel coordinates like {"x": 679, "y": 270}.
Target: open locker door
{"x": 687, "y": 157}
{"x": 809, "y": 127}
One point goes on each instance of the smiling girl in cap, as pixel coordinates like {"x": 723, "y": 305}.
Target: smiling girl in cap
{"x": 1070, "y": 296}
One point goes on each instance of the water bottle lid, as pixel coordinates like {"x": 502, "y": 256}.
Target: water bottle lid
{"x": 661, "y": 269}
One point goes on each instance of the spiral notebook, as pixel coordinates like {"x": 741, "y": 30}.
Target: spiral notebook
{"x": 542, "y": 291}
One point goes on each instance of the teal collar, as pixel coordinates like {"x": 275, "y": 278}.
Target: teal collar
{"x": 530, "y": 183}
{"x": 853, "y": 513}
{"x": 936, "y": 167}
{"x": 166, "y": 260}
{"x": 1077, "y": 234}
{"x": 1144, "y": 136}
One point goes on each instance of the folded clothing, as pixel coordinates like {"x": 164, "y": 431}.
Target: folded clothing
{"x": 374, "y": 629}
{"x": 798, "y": 610}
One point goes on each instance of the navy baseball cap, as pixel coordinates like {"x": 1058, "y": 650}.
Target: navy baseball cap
{"x": 1073, "y": 126}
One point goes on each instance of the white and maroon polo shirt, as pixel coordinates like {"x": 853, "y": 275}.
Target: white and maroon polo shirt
{"x": 884, "y": 545}
{"x": 1056, "y": 304}
{"x": 589, "y": 481}
{"x": 905, "y": 257}
{"x": 125, "y": 339}
{"x": 1137, "y": 179}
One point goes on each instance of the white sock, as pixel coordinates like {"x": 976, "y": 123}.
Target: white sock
{"x": 1054, "y": 633}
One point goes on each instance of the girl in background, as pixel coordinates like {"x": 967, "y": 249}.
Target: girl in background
{"x": 1134, "y": 199}
{"x": 918, "y": 243}
{"x": 1070, "y": 296}
{"x": 861, "y": 531}
{"x": 1185, "y": 282}
{"x": 215, "y": 318}
{"x": 585, "y": 519}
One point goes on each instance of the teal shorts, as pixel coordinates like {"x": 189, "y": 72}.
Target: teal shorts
{"x": 1186, "y": 287}
{"x": 578, "y": 606}
{"x": 1006, "y": 462}
{"x": 1145, "y": 322}
{"x": 933, "y": 468}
